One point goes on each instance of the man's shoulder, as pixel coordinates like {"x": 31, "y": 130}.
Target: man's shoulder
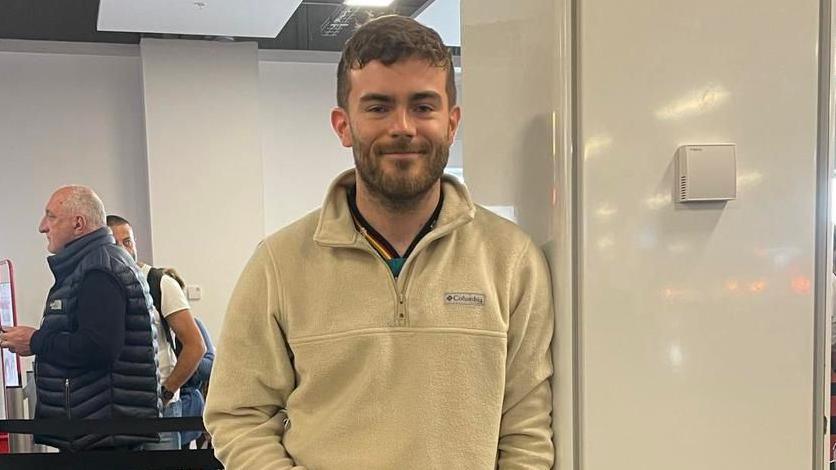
{"x": 106, "y": 257}
{"x": 300, "y": 231}
{"x": 493, "y": 228}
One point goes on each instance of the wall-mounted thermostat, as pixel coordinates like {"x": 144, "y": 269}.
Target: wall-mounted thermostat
{"x": 706, "y": 173}
{"x": 194, "y": 292}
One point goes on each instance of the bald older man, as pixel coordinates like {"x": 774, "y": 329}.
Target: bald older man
{"x": 95, "y": 350}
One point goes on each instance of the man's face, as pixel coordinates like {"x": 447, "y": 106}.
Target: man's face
{"x": 59, "y": 226}
{"x": 124, "y": 235}
{"x": 400, "y": 126}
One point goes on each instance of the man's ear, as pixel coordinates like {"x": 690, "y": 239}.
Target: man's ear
{"x": 79, "y": 224}
{"x": 342, "y": 126}
{"x": 455, "y": 119}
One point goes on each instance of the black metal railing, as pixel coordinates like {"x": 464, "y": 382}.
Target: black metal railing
{"x": 203, "y": 459}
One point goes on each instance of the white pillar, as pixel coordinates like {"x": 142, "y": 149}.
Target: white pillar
{"x": 204, "y": 162}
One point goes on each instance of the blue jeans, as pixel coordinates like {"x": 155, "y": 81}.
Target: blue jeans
{"x": 168, "y": 440}
{"x": 192, "y": 403}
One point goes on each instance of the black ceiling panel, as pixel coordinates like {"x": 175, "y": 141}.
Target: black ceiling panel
{"x": 56, "y": 20}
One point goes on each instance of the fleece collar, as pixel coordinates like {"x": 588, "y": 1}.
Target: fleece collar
{"x": 336, "y": 226}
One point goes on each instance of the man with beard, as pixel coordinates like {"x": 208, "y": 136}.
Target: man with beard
{"x": 400, "y": 326}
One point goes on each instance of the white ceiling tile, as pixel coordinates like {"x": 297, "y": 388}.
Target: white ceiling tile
{"x": 255, "y": 18}
{"x": 444, "y": 16}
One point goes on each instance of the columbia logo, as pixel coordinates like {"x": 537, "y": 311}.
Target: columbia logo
{"x": 464, "y": 298}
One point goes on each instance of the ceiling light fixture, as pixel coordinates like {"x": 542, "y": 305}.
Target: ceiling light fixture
{"x": 367, "y": 3}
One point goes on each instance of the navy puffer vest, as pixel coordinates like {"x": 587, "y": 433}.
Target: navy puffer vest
{"x": 129, "y": 388}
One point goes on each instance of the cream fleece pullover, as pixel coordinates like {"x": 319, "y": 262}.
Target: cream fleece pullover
{"x": 327, "y": 362}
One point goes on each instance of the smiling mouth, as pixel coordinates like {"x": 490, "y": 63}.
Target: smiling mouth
{"x": 403, "y": 153}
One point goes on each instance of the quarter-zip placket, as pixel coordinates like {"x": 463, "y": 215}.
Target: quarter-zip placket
{"x": 400, "y": 298}
{"x": 401, "y": 284}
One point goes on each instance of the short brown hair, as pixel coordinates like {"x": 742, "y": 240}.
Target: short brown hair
{"x": 389, "y": 39}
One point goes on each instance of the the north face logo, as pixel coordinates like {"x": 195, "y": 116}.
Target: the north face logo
{"x": 56, "y": 304}
{"x": 464, "y": 298}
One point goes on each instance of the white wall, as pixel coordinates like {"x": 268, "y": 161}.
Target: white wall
{"x": 302, "y": 155}
{"x": 74, "y": 113}
{"x": 204, "y": 160}
{"x": 73, "y": 117}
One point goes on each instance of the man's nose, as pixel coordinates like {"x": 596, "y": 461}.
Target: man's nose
{"x": 42, "y": 227}
{"x": 402, "y": 124}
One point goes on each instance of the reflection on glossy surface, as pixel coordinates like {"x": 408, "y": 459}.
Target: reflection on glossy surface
{"x": 696, "y": 102}
{"x": 605, "y": 211}
{"x": 678, "y": 295}
{"x": 745, "y": 286}
{"x": 757, "y": 287}
{"x": 605, "y": 243}
{"x": 595, "y": 145}
{"x": 657, "y": 201}
{"x": 749, "y": 179}
{"x": 802, "y": 285}
{"x": 675, "y": 355}
{"x": 647, "y": 238}
{"x": 733, "y": 285}
{"x": 554, "y": 134}
{"x": 780, "y": 256}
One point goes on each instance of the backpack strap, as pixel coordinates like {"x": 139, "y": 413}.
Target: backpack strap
{"x": 155, "y": 278}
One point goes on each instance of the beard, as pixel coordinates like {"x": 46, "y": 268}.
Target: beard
{"x": 400, "y": 188}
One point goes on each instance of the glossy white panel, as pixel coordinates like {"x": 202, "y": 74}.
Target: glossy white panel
{"x": 516, "y": 60}
{"x": 697, "y": 320}
{"x": 508, "y": 82}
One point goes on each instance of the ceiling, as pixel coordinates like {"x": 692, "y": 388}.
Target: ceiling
{"x": 316, "y": 25}
{"x": 258, "y": 18}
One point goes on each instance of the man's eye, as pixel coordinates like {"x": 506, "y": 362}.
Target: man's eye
{"x": 376, "y": 109}
{"x": 424, "y": 108}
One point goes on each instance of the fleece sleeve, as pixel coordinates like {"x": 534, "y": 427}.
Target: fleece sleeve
{"x": 252, "y": 376}
{"x": 525, "y": 435}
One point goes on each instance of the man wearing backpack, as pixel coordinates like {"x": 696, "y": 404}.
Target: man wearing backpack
{"x": 173, "y": 321}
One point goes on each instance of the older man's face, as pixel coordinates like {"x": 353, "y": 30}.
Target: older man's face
{"x": 59, "y": 226}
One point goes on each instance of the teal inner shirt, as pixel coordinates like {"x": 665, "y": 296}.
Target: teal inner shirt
{"x": 396, "y": 264}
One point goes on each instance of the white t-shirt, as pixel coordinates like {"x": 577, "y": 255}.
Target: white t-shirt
{"x": 172, "y": 300}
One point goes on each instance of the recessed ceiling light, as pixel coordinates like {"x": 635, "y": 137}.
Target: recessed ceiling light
{"x": 367, "y": 3}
